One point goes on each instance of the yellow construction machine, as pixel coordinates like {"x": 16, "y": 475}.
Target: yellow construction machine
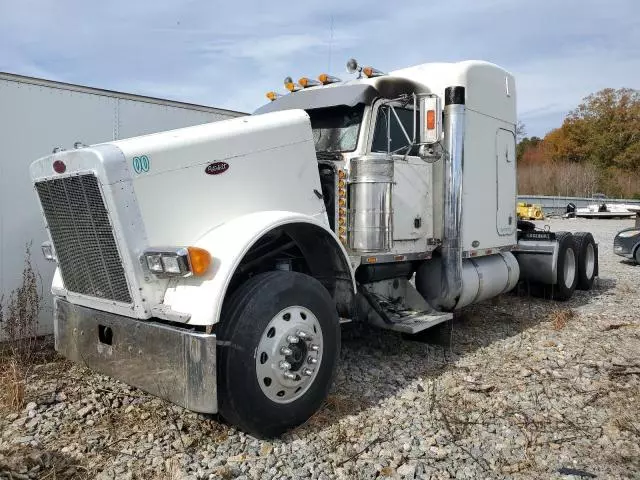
{"x": 529, "y": 211}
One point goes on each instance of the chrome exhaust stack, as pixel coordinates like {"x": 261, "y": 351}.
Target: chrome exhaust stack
{"x": 454, "y": 122}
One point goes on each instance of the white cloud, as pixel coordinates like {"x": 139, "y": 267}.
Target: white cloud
{"x": 228, "y": 54}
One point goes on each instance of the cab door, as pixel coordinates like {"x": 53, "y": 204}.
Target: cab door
{"x": 411, "y": 194}
{"x": 506, "y": 182}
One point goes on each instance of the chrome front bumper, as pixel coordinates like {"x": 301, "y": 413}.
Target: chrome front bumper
{"x": 175, "y": 364}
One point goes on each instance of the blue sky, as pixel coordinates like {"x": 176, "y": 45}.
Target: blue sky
{"x": 228, "y": 54}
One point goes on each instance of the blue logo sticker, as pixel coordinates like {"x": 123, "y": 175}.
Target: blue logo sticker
{"x": 141, "y": 164}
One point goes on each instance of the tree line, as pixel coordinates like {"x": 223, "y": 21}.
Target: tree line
{"x": 598, "y": 140}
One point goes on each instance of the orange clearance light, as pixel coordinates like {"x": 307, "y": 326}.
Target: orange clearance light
{"x": 341, "y": 174}
{"x": 308, "y": 82}
{"x": 372, "y": 72}
{"x": 431, "y": 119}
{"x": 199, "y": 259}
{"x": 342, "y": 192}
{"x": 342, "y": 202}
{"x": 326, "y": 79}
{"x": 272, "y": 96}
{"x": 290, "y": 85}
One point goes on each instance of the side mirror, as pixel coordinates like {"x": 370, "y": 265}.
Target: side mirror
{"x": 430, "y": 120}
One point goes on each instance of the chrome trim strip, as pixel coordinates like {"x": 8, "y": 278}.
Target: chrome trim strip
{"x": 489, "y": 251}
{"x": 394, "y": 257}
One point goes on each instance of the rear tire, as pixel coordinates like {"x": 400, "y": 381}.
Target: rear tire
{"x": 257, "y": 323}
{"x": 567, "y": 271}
{"x": 587, "y": 259}
{"x": 636, "y": 255}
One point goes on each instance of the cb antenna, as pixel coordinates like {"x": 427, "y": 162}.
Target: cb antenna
{"x": 330, "y": 43}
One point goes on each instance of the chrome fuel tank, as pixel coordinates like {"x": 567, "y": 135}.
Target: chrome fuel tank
{"x": 370, "y": 224}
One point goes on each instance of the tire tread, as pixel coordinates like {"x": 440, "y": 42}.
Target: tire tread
{"x": 583, "y": 239}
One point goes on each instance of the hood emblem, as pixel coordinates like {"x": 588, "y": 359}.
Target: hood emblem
{"x": 216, "y": 168}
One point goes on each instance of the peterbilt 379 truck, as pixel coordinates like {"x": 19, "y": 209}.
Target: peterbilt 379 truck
{"x": 212, "y": 266}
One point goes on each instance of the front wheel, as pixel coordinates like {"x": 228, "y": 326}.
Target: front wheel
{"x": 278, "y": 346}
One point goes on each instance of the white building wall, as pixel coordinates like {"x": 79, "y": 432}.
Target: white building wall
{"x": 38, "y": 115}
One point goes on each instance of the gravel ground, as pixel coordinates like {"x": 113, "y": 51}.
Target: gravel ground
{"x": 521, "y": 388}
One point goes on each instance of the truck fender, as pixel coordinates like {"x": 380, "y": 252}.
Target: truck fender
{"x": 201, "y": 298}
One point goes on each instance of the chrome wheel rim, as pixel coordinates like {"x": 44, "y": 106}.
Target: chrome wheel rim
{"x": 289, "y": 354}
{"x": 590, "y": 261}
{"x": 569, "y": 267}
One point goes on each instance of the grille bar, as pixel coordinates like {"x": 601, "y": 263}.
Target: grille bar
{"x": 82, "y": 237}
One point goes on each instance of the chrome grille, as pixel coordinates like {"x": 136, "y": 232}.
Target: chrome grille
{"x": 82, "y": 237}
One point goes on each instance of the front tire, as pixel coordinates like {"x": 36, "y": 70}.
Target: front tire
{"x": 278, "y": 347}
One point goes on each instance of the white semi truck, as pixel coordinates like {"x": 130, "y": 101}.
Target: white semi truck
{"x": 213, "y": 265}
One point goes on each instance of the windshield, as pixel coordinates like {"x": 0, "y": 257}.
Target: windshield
{"x": 336, "y": 129}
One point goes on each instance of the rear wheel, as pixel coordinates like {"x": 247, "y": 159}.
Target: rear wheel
{"x": 636, "y": 256}
{"x": 279, "y": 341}
{"x": 587, "y": 259}
{"x": 566, "y": 268}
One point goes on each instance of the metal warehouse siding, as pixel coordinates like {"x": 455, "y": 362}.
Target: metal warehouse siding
{"x": 36, "y": 116}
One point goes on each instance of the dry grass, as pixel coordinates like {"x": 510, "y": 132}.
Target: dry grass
{"x": 19, "y": 325}
{"x": 13, "y": 380}
{"x": 575, "y": 180}
{"x": 560, "y": 318}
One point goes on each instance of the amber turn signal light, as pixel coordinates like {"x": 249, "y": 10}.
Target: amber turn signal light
{"x": 199, "y": 259}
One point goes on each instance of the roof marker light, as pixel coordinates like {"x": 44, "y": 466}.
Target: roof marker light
{"x": 273, "y": 95}
{"x": 290, "y": 85}
{"x": 326, "y": 79}
{"x": 307, "y": 82}
{"x": 372, "y": 72}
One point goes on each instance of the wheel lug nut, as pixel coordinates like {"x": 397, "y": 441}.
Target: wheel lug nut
{"x": 304, "y": 335}
{"x": 286, "y": 351}
{"x": 314, "y": 348}
{"x": 292, "y": 339}
{"x": 312, "y": 360}
{"x": 307, "y": 371}
{"x": 284, "y": 365}
{"x": 290, "y": 376}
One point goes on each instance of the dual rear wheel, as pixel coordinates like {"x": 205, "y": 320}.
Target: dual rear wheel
{"x": 577, "y": 264}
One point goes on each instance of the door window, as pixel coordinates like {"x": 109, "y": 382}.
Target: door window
{"x": 386, "y": 121}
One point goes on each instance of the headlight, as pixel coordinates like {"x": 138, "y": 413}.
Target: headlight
{"x": 154, "y": 262}
{"x": 172, "y": 264}
{"x": 180, "y": 261}
{"x": 629, "y": 233}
